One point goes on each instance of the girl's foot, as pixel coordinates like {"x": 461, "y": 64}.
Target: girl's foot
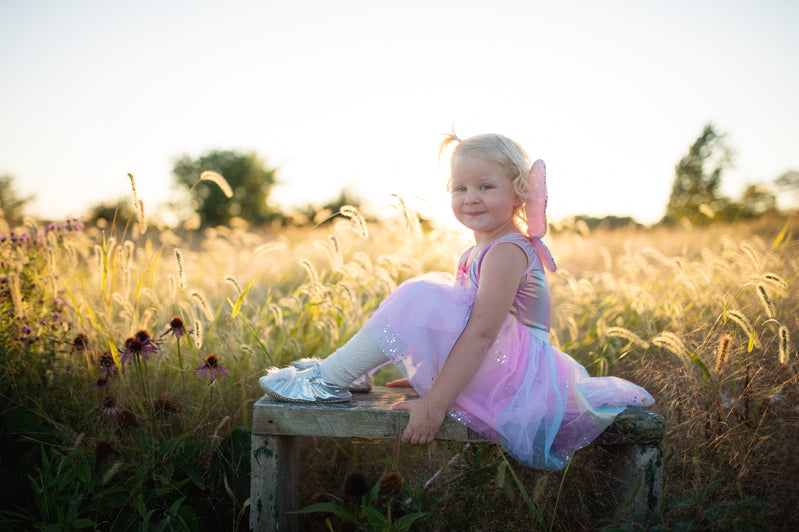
{"x": 362, "y": 384}
{"x": 292, "y": 385}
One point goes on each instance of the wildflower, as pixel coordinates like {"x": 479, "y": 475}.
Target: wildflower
{"x": 126, "y": 419}
{"x": 139, "y": 344}
{"x": 176, "y": 327}
{"x": 162, "y": 405}
{"x": 132, "y": 347}
{"x": 101, "y": 384}
{"x": 107, "y": 365}
{"x": 355, "y": 485}
{"x": 109, "y": 406}
{"x": 320, "y": 497}
{"x": 102, "y": 451}
{"x": 391, "y": 484}
{"x": 211, "y": 364}
{"x": 80, "y": 342}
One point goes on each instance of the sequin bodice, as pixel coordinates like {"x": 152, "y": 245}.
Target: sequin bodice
{"x": 532, "y": 305}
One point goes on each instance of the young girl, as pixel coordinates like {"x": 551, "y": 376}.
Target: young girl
{"x": 476, "y": 347}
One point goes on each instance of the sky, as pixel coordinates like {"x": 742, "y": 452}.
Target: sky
{"x": 357, "y": 95}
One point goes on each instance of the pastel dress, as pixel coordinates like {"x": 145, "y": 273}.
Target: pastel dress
{"x": 531, "y": 398}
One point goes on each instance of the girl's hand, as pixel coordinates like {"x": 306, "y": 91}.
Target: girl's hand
{"x": 424, "y": 422}
{"x": 399, "y": 383}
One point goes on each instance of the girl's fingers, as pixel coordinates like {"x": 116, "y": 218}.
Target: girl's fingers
{"x": 399, "y": 383}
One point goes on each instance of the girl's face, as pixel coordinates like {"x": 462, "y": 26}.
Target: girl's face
{"x": 483, "y": 198}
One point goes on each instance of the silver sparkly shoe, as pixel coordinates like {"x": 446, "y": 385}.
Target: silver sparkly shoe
{"x": 362, "y": 384}
{"x": 292, "y": 385}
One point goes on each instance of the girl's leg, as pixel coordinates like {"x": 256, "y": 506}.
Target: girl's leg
{"x": 325, "y": 381}
{"x": 358, "y": 356}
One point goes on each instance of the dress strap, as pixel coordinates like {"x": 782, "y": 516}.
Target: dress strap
{"x": 532, "y": 246}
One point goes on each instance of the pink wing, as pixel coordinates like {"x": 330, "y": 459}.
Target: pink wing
{"x": 536, "y": 206}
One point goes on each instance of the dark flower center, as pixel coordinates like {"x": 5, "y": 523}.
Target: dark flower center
{"x": 126, "y": 418}
{"x": 176, "y": 323}
{"x": 81, "y": 341}
{"x": 211, "y": 361}
{"x": 109, "y": 401}
{"x": 134, "y": 345}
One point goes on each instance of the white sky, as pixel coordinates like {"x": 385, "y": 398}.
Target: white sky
{"x": 357, "y": 94}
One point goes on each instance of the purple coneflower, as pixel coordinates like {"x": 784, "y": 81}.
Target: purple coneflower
{"x": 102, "y": 451}
{"x": 162, "y": 405}
{"x": 391, "y": 484}
{"x": 80, "y": 342}
{"x": 139, "y": 344}
{"x": 107, "y": 365}
{"x": 109, "y": 406}
{"x": 176, "y": 327}
{"x": 101, "y": 384}
{"x": 211, "y": 364}
{"x": 127, "y": 419}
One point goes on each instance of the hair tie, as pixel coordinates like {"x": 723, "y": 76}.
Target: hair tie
{"x": 535, "y": 210}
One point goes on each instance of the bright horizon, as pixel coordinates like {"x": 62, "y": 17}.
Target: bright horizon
{"x": 353, "y": 95}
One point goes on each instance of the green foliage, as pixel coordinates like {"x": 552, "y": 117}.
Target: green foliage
{"x": 11, "y": 204}
{"x": 789, "y": 182}
{"x": 756, "y": 201}
{"x": 699, "y": 511}
{"x": 331, "y": 210}
{"x": 229, "y": 476}
{"x": 375, "y": 511}
{"x": 146, "y": 480}
{"x": 249, "y": 179}
{"x": 698, "y": 178}
{"x": 120, "y": 212}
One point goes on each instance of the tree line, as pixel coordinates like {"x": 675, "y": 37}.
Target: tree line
{"x": 695, "y": 195}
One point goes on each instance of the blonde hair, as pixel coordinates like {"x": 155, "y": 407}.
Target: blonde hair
{"x": 499, "y": 149}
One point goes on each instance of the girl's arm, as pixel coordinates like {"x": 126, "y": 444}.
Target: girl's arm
{"x": 500, "y": 274}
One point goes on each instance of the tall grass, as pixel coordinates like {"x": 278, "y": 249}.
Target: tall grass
{"x": 703, "y": 318}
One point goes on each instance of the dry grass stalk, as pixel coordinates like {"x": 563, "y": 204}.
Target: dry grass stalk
{"x": 221, "y": 182}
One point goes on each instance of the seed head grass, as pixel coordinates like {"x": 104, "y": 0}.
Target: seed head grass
{"x": 640, "y": 309}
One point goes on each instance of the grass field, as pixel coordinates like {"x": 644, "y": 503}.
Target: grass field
{"x": 129, "y": 360}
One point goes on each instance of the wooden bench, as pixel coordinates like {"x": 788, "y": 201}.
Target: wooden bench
{"x": 635, "y": 460}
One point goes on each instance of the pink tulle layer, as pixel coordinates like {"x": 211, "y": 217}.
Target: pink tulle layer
{"x": 534, "y": 400}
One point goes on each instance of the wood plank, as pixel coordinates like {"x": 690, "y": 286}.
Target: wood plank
{"x": 370, "y": 416}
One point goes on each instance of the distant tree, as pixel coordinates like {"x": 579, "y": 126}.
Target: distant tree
{"x": 789, "y": 182}
{"x": 249, "y": 179}
{"x": 695, "y": 192}
{"x": 327, "y": 212}
{"x": 11, "y": 204}
{"x": 607, "y": 222}
{"x": 109, "y": 211}
{"x": 757, "y": 200}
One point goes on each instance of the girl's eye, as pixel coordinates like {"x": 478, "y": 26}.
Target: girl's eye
{"x": 459, "y": 189}
{"x": 485, "y": 187}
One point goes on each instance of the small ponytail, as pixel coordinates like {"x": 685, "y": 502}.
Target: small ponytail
{"x": 449, "y": 138}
